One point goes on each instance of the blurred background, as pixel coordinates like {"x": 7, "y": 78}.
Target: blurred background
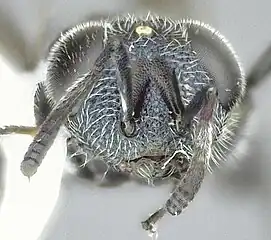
{"x": 234, "y": 203}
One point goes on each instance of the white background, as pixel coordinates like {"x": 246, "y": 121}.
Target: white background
{"x": 232, "y": 204}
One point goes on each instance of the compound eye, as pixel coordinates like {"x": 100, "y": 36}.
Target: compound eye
{"x": 128, "y": 128}
{"x": 218, "y": 59}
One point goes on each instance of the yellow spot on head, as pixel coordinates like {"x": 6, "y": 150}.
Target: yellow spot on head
{"x": 144, "y": 31}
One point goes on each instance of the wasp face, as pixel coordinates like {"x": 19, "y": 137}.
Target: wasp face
{"x": 149, "y": 96}
{"x": 145, "y": 101}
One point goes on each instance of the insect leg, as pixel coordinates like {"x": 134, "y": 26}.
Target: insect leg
{"x": 42, "y": 107}
{"x": 50, "y": 127}
{"x": 189, "y": 185}
{"x": 149, "y": 224}
{"x": 186, "y": 190}
{"x": 76, "y": 159}
{"x": 10, "y": 129}
{"x": 42, "y": 104}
